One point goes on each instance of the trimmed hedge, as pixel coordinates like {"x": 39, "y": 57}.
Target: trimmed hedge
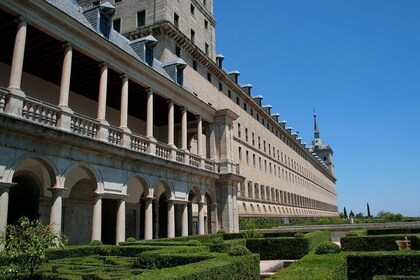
{"x": 230, "y": 236}
{"x": 363, "y": 266}
{"x": 287, "y": 247}
{"x": 223, "y": 267}
{"x": 107, "y": 250}
{"x": 393, "y": 231}
{"x": 375, "y": 243}
{"x": 395, "y": 277}
{"x": 315, "y": 267}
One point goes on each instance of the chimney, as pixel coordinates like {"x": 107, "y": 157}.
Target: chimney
{"x": 275, "y": 116}
{"x": 267, "y": 108}
{"x": 247, "y": 89}
{"x": 282, "y": 123}
{"x": 234, "y": 75}
{"x": 289, "y": 130}
{"x": 258, "y": 99}
{"x": 219, "y": 60}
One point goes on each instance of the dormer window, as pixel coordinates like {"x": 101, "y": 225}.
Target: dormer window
{"x": 149, "y": 55}
{"x": 104, "y": 24}
{"x": 180, "y": 75}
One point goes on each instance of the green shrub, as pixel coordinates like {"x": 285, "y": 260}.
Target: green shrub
{"x": 315, "y": 267}
{"x": 299, "y": 235}
{"x": 393, "y": 231}
{"x": 221, "y": 231}
{"x": 351, "y": 234}
{"x": 395, "y": 277}
{"x": 363, "y": 266}
{"x": 278, "y": 248}
{"x": 327, "y": 248}
{"x": 229, "y": 236}
{"x": 96, "y": 243}
{"x": 219, "y": 246}
{"x": 193, "y": 243}
{"x": 251, "y": 230}
{"x": 221, "y": 268}
{"x": 316, "y": 237}
{"x": 374, "y": 243}
{"x": 239, "y": 250}
{"x": 131, "y": 240}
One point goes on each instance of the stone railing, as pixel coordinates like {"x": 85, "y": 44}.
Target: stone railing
{"x": 195, "y": 160}
{"x": 40, "y": 112}
{"x": 49, "y": 115}
{"x": 210, "y": 165}
{"x": 163, "y": 151}
{"x": 114, "y": 135}
{"x": 84, "y": 126}
{"x": 139, "y": 143}
{"x": 180, "y": 156}
{"x": 3, "y": 95}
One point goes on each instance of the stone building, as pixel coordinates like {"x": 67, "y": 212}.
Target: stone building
{"x": 117, "y": 119}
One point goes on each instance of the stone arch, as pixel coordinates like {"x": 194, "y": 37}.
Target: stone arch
{"x": 81, "y": 182}
{"x": 33, "y": 175}
{"x": 163, "y": 192}
{"x": 211, "y": 211}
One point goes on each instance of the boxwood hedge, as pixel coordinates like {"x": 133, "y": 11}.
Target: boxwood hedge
{"x": 395, "y": 277}
{"x": 375, "y": 243}
{"x": 393, "y": 231}
{"x": 363, "y": 266}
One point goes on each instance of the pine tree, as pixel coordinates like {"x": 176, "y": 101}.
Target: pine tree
{"x": 345, "y": 213}
{"x": 368, "y": 210}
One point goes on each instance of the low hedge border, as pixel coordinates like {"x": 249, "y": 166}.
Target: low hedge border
{"x": 395, "y": 277}
{"x": 224, "y": 267}
{"x": 230, "y": 236}
{"x": 393, "y": 231}
{"x": 376, "y": 242}
{"x": 205, "y": 239}
{"x": 363, "y": 266}
{"x": 287, "y": 247}
{"x": 315, "y": 267}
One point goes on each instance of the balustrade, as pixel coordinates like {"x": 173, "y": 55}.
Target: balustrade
{"x": 39, "y": 112}
{"x": 114, "y": 135}
{"x": 195, "y": 160}
{"x": 84, "y": 126}
{"x": 139, "y": 143}
{"x": 180, "y": 156}
{"x": 163, "y": 151}
{"x": 3, "y": 95}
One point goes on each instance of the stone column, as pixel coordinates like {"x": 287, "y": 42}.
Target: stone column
{"x": 185, "y": 219}
{"x": 149, "y": 130}
{"x": 211, "y": 142}
{"x": 64, "y": 121}
{"x": 97, "y": 218}
{"x": 56, "y": 209}
{"x": 171, "y": 219}
{"x": 18, "y": 55}
{"x": 103, "y": 85}
{"x": 199, "y": 136}
{"x": 171, "y": 123}
{"x": 201, "y": 218}
{"x": 184, "y": 130}
{"x": 215, "y": 217}
{"x": 148, "y": 218}
{"x": 65, "y": 77}
{"x": 4, "y": 205}
{"x": 124, "y": 103}
{"x": 120, "y": 230}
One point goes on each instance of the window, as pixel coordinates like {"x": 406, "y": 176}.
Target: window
{"x": 239, "y": 130}
{"x": 117, "y": 1}
{"x": 192, "y": 36}
{"x": 176, "y": 20}
{"x": 117, "y": 25}
{"x": 246, "y": 134}
{"x": 258, "y": 117}
{"x": 104, "y": 25}
{"x": 238, "y": 101}
{"x": 252, "y": 112}
{"x": 195, "y": 65}
{"x": 178, "y": 51}
{"x": 141, "y": 18}
{"x": 209, "y": 77}
{"x": 245, "y": 107}
{"x": 259, "y": 142}
{"x": 95, "y": 3}
{"x": 253, "y": 160}
{"x": 240, "y": 153}
{"x": 220, "y": 86}
{"x": 204, "y": 2}
{"x": 180, "y": 76}
{"x": 149, "y": 55}
{"x": 247, "y": 157}
{"x": 253, "y": 139}
{"x": 206, "y": 48}
{"x": 206, "y": 24}
{"x": 192, "y": 9}
{"x": 229, "y": 94}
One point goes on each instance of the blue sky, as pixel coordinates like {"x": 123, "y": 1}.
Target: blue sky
{"x": 358, "y": 64}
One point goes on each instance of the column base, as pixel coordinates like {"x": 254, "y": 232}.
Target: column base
{"x": 14, "y": 102}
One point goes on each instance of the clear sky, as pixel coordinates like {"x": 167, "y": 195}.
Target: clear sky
{"x": 358, "y": 64}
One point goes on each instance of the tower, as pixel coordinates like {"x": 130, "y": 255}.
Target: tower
{"x": 322, "y": 150}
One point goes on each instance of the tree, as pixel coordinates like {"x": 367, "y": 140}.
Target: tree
{"x": 368, "y": 210}
{"x": 25, "y": 244}
{"x": 345, "y": 213}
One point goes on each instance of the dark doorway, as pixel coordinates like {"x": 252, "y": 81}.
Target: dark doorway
{"x": 23, "y": 199}
{"x": 163, "y": 216}
{"x": 109, "y": 221}
{"x": 142, "y": 217}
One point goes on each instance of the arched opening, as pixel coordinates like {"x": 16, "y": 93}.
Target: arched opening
{"x": 23, "y": 199}
{"x": 78, "y": 208}
{"x": 160, "y": 206}
{"x": 209, "y": 217}
{"x": 137, "y": 191}
{"x": 163, "y": 216}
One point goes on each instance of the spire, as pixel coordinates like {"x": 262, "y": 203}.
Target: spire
{"x": 316, "y": 130}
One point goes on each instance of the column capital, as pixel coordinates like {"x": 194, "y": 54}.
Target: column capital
{"x": 103, "y": 64}
{"x": 5, "y": 186}
{"x": 149, "y": 90}
{"x": 57, "y": 190}
{"x": 178, "y": 201}
{"x": 124, "y": 77}
{"x": 149, "y": 198}
{"x": 170, "y": 101}
{"x": 183, "y": 108}
{"x": 67, "y": 45}
{"x": 198, "y": 117}
{"x": 21, "y": 19}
